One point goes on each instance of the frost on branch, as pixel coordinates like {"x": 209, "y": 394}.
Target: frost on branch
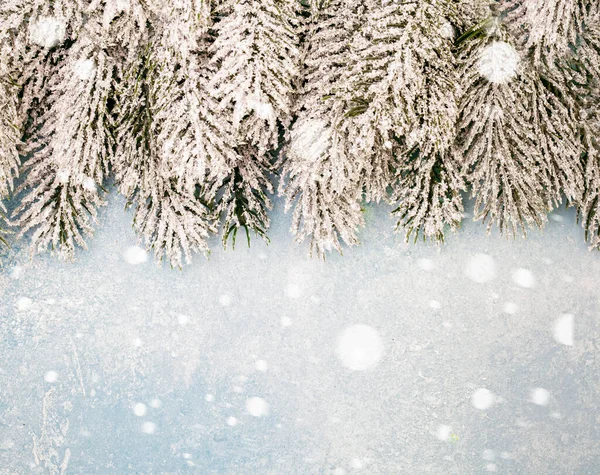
{"x": 254, "y": 58}
{"x": 403, "y": 85}
{"x": 585, "y": 85}
{"x": 172, "y": 218}
{"x": 496, "y": 139}
{"x": 548, "y": 31}
{"x": 545, "y": 28}
{"x": 70, "y": 146}
{"x": 256, "y": 53}
{"x": 320, "y": 178}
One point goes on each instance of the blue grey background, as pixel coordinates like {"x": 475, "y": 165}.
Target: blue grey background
{"x": 185, "y": 344}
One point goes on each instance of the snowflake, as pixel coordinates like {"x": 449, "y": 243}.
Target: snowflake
{"x": 310, "y": 139}
{"x": 48, "y": 31}
{"x": 498, "y": 62}
{"x": 84, "y": 69}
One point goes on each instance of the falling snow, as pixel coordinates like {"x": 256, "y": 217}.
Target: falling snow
{"x": 317, "y": 366}
{"x": 359, "y": 347}
{"x": 499, "y": 62}
{"x": 481, "y": 268}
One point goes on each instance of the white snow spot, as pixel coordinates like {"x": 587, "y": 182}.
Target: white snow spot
{"x": 183, "y": 319}
{"x": 510, "y": 308}
{"x": 47, "y": 31}
{"x": 137, "y": 342}
{"x": 434, "y": 304}
{"x": 148, "y": 427}
{"x": 186, "y": 456}
{"x": 16, "y": 272}
{"x": 540, "y": 396}
{"x": 24, "y": 303}
{"x": 482, "y": 399}
{"x": 444, "y": 432}
{"x": 286, "y": 321}
{"x": 231, "y": 421}
{"x": 310, "y": 139}
{"x": 359, "y": 347}
{"x": 563, "y": 330}
{"x": 209, "y": 398}
{"x": 140, "y": 409}
{"x": 84, "y": 68}
{"x": 257, "y": 407}
{"x": 447, "y": 30}
{"x": 51, "y": 377}
{"x": 89, "y": 184}
{"x": 63, "y": 176}
{"x": 155, "y": 403}
{"x": 238, "y": 389}
{"x": 488, "y": 454}
{"x": 293, "y": 291}
{"x": 426, "y": 264}
{"x": 261, "y": 365}
{"x": 498, "y": 62}
{"x": 491, "y": 467}
{"x": 135, "y": 255}
{"x": 481, "y": 268}
{"x": 524, "y": 278}
{"x": 356, "y": 463}
{"x": 339, "y": 471}
{"x": 557, "y": 217}
{"x": 225, "y": 300}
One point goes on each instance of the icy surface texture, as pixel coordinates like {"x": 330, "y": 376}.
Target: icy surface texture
{"x": 478, "y": 356}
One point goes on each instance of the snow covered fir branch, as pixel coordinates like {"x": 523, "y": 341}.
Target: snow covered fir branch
{"x": 200, "y": 110}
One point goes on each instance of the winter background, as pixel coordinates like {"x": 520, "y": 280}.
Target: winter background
{"x": 478, "y": 356}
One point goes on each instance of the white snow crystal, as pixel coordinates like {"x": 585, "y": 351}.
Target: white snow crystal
{"x": 257, "y": 407}
{"x": 563, "y": 329}
{"x": 482, "y": 399}
{"x": 63, "y": 176}
{"x": 136, "y": 255}
{"x": 310, "y": 139}
{"x": 84, "y": 68}
{"x": 231, "y": 421}
{"x": 491, "y": 467}
{"x": 225, "y": 300}
{"x": 183, "y": 319}
{"x": 89, "y": 184}
{"x": 447, "y": 30}
{"x": 510, "y": 308}
{"x": 481, "y": 268}
{"x": 488, "y": 454}
{"x": 51, "y": 377}
{"x": 498, "y": 62}
{"x": 16, "y": 272}
{"x": 148, "y": 427}
{"x": 444, "y": 432}
{"x": 209, "y": 398}
{"x": 286, "y": 321}
{"x": 24, "y": 303}
{"x": 356, "y": 463}
{"x": 155, "y": 403}
{"x": 47, "y": 31}
{"x": 293, "y": 291}
{"x": 425, "y": 264}
{"x": 261, "y": 365}
{"x": 359, "y": 347}
{"x": 524, "y": 278}
{"x": 140, "y": 409}
{"x": 137, "y": 342}
{"x": 434, "y": 304}
{"x": 540, "y": 396}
